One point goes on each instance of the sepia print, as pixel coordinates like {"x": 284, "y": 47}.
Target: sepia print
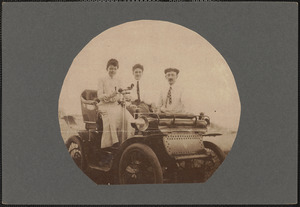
{"x": 149, "y": 102}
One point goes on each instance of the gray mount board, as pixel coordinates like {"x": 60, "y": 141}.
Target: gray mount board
{"x": 258, "y": 41}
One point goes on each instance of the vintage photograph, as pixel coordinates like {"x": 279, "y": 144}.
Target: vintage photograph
{"x": 149, "y": 102}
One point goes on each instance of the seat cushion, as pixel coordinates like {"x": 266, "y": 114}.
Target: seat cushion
{"x": 89, "y": 94}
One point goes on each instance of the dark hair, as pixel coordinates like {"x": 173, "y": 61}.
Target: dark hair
{"x": 113, "y": 62}
{"x": 137, "y": 66}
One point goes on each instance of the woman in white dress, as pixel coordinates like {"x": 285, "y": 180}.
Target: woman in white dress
{"x": 111, "y": 111}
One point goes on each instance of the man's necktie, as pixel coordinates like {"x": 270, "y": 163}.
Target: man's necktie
{"x": 138, "y": 91}
{"x": 169, "y": 97}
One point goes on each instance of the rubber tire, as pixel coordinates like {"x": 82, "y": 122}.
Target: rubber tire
{"x": 78, "y": 141}
{"x": 147, "y": 152}
{"x": 221, "y": 155}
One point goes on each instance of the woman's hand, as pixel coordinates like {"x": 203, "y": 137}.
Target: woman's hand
{"x": 105, "y": 98}
{"x": 114, "y": 94}
{"x": 110, "y": 98}
{"x": 127, "y": 97}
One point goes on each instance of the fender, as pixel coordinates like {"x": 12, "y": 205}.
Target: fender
{"x": 211, "y": 134}
{"x": 216, "y": 149}
{"x": 134, "y": 139}
{"x": 127, "y": 142}
{"x": 84, "y": 135}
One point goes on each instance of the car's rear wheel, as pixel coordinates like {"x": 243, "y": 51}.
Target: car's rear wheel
{"x": 139, "y": 165}
{"x": 76, "y": 151}
{"x": 215, "y": 159}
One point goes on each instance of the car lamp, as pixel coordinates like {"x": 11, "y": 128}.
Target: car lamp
{"x": 207, "y": 119}
{"x": 141, "y": 123}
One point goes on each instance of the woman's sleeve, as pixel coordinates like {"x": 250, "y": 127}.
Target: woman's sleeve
{"x": 100, "y": 91}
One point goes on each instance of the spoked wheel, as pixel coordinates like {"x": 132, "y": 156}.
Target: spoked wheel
{"x": 139, "y": 165}
{"x": 215, "y": 159}
{"x": 75, "y": 149}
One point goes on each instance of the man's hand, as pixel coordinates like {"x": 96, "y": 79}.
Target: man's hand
{"x": 165, "y": 110}
{"x": 153, "y": 107}
{"x": 162, "y": 110}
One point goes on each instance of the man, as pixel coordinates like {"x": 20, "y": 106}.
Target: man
{"x": 138, "y": 93}
{"x": 171, "y": 96}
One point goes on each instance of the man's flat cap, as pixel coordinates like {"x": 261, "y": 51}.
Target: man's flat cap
{"x": 172, "y": 70}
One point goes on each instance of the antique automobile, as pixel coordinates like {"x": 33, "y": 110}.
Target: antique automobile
{"x": 166, "y": 148}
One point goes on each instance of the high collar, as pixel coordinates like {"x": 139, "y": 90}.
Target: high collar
{"x": 173, "y": 86}
{"x": 137, "y": 80}
{"x": 111, "y": 78}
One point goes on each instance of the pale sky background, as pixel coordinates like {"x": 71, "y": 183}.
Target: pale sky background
{"x": 204, "y": 74}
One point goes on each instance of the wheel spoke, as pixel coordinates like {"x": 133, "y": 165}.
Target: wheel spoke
{"x": 138, "y": 170}
{"x": 127, "y": 177}
{"x": 146, "y": 171}
{"x": 139, "y": 164}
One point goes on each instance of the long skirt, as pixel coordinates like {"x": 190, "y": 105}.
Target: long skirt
{"x": 115, "y": 118}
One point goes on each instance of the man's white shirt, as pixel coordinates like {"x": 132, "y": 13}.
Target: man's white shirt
{"x": 143, "y": 91}
{"x": 178, "y": 98}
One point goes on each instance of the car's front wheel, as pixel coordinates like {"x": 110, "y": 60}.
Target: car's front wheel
{"x": 139, "y": 165}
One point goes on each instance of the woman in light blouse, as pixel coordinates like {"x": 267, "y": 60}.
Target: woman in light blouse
{"x": 109, "y": 108}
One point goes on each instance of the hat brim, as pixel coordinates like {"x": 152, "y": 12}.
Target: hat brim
{"x": 171, "y": 70}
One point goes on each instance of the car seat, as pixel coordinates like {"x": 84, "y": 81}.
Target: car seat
{"x": 89, "y": 109}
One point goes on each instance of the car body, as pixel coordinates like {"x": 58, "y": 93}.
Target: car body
{"x": 165, "y": 148}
